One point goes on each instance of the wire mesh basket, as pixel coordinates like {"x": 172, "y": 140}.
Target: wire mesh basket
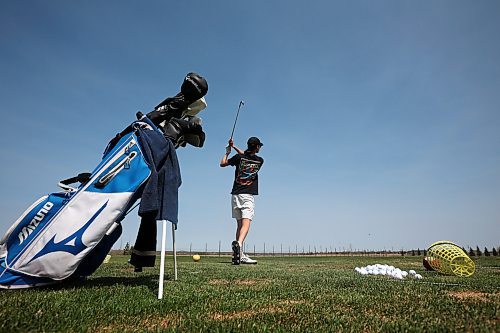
{"x": 448, "y": 258}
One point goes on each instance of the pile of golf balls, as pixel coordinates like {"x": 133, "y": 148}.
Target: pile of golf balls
{"x": 386, "y": 270}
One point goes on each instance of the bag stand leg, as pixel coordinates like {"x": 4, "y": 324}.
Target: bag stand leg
{"x": 174, "y": 250}
{"x": 162, "y": 260}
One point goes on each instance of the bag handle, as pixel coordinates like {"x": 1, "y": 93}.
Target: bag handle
{"x": 81, "y": 178}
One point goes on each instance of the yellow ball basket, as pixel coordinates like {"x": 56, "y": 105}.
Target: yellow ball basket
{"x": 448, "y": 258}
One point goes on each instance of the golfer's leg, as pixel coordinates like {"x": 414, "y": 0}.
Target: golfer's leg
{"x": 238, "y": 228}
{"x": 242, "y": 231}
{"x": 235, "y": 245}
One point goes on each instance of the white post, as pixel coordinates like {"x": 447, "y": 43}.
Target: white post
{"x": 174, "y": 250}
{"x": 162, "y": 261}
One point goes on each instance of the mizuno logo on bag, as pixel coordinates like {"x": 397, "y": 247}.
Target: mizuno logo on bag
{"x": 72, "y": 244}
{"x": 27, "y": 230}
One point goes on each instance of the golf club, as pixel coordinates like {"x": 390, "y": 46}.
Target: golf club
{"x": 237, "y": 113}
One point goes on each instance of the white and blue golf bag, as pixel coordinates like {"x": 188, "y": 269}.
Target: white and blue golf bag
{"x": 69, "y": 233}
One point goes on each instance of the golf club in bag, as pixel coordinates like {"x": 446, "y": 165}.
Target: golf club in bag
{"x": 67, "y": 234}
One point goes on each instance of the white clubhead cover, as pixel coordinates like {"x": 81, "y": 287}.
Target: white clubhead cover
{"x": 194, "y": 108}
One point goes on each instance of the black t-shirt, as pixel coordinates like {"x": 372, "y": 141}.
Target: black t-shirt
{"x": 246, "y": 178}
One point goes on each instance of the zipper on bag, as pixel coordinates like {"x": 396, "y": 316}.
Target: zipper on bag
{"x": 123, "y": 164}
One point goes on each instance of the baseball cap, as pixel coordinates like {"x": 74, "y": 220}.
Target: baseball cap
{"x": 253, "y": 141}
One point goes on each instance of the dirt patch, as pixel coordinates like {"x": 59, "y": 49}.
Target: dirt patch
{"x": 246, "y": 313}
{"x": 164, "y": 322}
{"x": 290, "y": 302}
{"x": 279, "y": 307}
{"x": 470, "y": 295}
{"x": 218, "y": 282}
{"x": 151, "y": 323}
{"x": 223, "y": 282}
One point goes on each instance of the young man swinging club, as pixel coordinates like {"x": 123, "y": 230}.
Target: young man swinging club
{"x": 245, "y": 186}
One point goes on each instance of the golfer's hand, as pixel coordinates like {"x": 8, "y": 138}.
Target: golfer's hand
{"x": 230, "y": 142}
{"x": 228, "y": 150}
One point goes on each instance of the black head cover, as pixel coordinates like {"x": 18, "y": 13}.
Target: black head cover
{"x": 182, "y": 131}
{"x": 194, "y": 87}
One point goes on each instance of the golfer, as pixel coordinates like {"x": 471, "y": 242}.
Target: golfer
{"x": 245, "y": 186}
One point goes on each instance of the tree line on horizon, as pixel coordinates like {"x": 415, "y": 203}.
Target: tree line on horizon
{"x": 471, "y": 253}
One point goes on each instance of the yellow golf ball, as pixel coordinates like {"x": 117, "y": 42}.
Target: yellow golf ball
{"x": 196, "y": 257}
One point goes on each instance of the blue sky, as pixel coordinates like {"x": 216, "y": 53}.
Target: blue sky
{"x": 380, "y": 118}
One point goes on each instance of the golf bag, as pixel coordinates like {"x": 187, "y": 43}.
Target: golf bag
{"x": 68, "y": 234}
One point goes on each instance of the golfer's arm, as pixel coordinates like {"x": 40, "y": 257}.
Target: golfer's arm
{"x": 238, "y": 150}
{"x": 223, "y": 161}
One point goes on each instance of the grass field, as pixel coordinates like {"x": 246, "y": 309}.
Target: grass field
{"x": 280, "y": 294}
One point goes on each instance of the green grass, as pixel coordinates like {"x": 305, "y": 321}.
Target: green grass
{"x": 280, "y": 294}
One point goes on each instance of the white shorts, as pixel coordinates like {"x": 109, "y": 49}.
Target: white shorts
{"x": 243, "y": 206}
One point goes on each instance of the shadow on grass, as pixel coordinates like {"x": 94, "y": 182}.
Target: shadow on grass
{"x": 149, "y": 281}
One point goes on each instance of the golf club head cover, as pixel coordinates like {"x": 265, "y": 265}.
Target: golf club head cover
{"x": 188, "y": 130}
{"x": 171, "y": 107}
{"x": 194, "y": 139}
{"x": 193, "y": 88}
{"x": 194, "y": 135}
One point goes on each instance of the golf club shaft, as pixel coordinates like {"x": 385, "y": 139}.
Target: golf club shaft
{"x": 236, "y": 119}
